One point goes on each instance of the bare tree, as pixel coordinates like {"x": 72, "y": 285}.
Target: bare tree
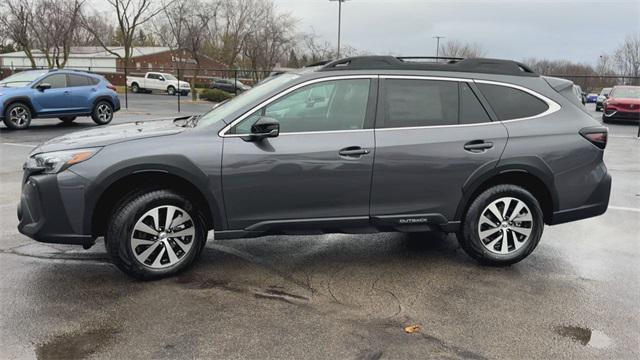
{"x": 458, "y": 49}
{"x": 16, "y": 20}
{"x": 196, "y": 26}
{"x": 271, "y": 39}
{"x": 627, "y": 58}
{"x": 131, "y": 15}
{"x": 237, "y": 22}
{"x": 56, "y": 27}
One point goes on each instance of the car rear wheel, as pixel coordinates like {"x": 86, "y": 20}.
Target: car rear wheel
{"x": 17, "y": 116}
{"x": 135, "y": 88}
{"x": 503, "y": 225}
{"x": 102, "y": 113}
{"x": 171, "y": 90}
{"x": 154, "y": 234}
{"x": 67, "y": 119}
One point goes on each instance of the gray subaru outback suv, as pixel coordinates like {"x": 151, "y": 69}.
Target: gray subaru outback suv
{"x": 482, "y": 147}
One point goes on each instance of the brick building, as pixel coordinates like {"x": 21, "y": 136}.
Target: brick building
{"x": 144, "y": 59}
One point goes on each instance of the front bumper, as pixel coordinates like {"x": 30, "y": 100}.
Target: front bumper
{"x": 51, "y": 208}
{"x": 621, "y": 115}
{"x": 596, "y": 204}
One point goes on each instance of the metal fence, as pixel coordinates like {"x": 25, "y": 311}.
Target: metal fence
{"x": 198, "y": 78}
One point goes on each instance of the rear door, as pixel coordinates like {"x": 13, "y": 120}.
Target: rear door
{"x": 317, "y": 172}
{"x": 82, "y": 89}
{"x": 57, "y": 99}
{"x": 432, "y": 135}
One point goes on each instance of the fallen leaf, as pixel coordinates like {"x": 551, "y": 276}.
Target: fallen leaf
{"x": 412, "y": 329}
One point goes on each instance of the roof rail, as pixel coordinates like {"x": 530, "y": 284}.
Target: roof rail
{"x": 318, "y": 63}
{"x": 477, "y": 65}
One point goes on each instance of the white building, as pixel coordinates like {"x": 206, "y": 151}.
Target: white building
{"x": 84, "y": 58}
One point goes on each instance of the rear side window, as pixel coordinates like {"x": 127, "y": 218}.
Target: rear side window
{"x": 409, "y": 103}
{"x": 471, "y": 110}
{"x": 509, "y": 103}
{"x": 79, "y": 80}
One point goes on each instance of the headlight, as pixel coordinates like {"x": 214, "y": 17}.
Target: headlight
{"x": 54, "y": 162}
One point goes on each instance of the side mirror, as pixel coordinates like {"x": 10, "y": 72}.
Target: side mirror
{"x": 43, "y": 86}
{"x": 265, "y": 127}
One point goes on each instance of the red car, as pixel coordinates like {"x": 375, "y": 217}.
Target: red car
{"x": 623, "y": 103}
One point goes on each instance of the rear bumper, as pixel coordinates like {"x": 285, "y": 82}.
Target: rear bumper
{"x": 596, "y": 205}
{"x": 44, "y": 216}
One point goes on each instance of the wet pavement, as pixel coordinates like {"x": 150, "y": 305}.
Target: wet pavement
{"x": 331, "y": 296}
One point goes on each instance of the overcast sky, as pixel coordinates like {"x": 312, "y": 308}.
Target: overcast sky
{"x": 578, "y": 30}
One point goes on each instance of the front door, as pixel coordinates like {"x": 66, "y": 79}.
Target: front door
{"x": 57, "y": 99}
{"x": 317, "y": 171}
{"x": 431, "y": 137}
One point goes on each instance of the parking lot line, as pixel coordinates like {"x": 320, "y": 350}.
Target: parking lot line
{"x": 18, "y": 144}
{"x": 624, "y": 208}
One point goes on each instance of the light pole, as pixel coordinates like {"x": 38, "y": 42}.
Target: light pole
{"x": 438, "y": 46}
{"x": 339, "y": 22}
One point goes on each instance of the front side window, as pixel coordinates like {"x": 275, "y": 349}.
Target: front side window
{"x": 413, "y": 103}
{"x": 325, "y": 106}
{"x": 510, "y": 103}
{"x": 56, "y": 81}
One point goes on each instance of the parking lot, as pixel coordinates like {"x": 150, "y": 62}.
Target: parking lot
{"x": 331, "y": 296}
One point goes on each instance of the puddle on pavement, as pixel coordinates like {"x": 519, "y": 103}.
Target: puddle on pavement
{"x": 75, "y": 345}
{"x": 585, "y": 336}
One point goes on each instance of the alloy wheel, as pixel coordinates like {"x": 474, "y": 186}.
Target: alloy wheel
{"x": 163, "y": 237}
{"x": 19, "y": 116}
{"x": 104, "y": 113}
{"x": 505, "y": 225}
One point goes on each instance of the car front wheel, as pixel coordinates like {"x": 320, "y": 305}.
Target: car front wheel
{"x": 503, "y": 225}
{"x": 155, "y": 234}
{"x": 17, "y": 116}
{"x": 171, "y": 90}
{"x": 102, "y": 113}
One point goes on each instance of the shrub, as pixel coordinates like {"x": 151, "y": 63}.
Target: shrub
{"x": 214, "y": 95}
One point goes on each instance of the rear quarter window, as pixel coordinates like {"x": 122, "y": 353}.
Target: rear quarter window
{"x": 510, "y": 103}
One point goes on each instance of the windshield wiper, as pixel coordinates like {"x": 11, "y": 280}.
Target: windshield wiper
{"x": 192, "y": 121}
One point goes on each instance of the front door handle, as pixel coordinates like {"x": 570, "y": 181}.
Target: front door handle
{"x": 353, "y": 151}
{"x": 478, "y": 145}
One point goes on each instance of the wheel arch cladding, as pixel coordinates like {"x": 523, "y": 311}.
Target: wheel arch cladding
{"x": 19, "y": 99}
{"x": 533, "y": 180}
{"x": 127, "y": 183}
{"x": 106, "y": 98}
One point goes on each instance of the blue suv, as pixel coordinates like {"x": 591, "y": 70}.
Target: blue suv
{"x": 65, "y": 94}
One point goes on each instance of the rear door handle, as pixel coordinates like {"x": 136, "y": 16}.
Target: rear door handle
{"x": 478, "y": 145}
{"x": 353, "y": 151}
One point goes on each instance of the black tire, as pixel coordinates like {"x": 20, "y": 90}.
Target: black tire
{"x": 598, "y": 108}
{"x": 605, "y": 119}
{"x": 67, "y": 119}
{"x": 171, "y": 90}
{"x": 17, "y": 116}
{"x": 102, "y": 112}
{"x": 135, "y": 88}
{"x": 121, "y": 226}
{"x": 469, "y": 237}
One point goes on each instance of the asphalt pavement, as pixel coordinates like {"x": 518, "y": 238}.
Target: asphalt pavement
{"x": 330, "y": 296}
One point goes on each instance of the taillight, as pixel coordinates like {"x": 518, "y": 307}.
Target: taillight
{"x": 111, "y": 87}
{"x": 596, "y": 135}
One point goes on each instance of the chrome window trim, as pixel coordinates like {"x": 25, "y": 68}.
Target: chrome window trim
{"x": 425, "y": 77}
{"x": 223, "y": 132}
{"x": 553, "y": 106}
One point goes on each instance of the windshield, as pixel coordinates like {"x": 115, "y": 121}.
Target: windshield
{"x": 22, "y": 78}
{"x": 240, "y": 101}
{"x": 626, "y": 92}
{"x": 169, "y": 77}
